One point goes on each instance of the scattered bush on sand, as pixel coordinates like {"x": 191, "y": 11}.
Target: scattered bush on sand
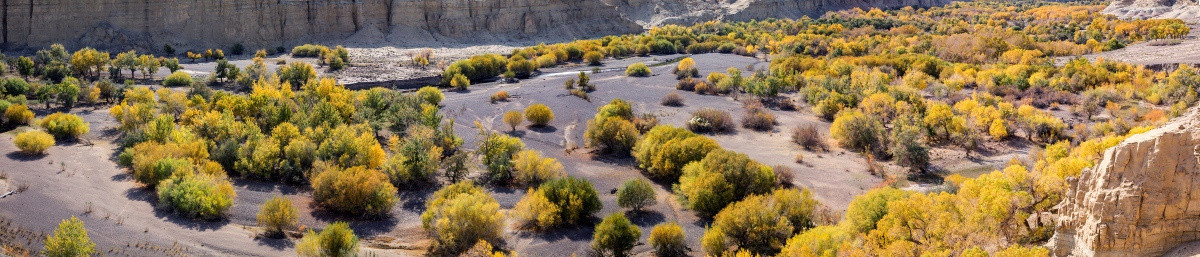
{"x": 672, "y": 99}
{"x": 637, "y": 70}
{"x": 277, "y": 214}
{"x": 459, "y": 216}
{"x": 615, "y": 235}
{"x": 539, "y": 115}
{"x": 355, "y": 190}
{"x": 337, "y": 240}
{"x": 708, "y": 120}
{"x": 636, "y": 194}
{"x": 33, "y": 142}
{"x": 69, "y": 239}
{"x": 668, "y": 240}
{"x": 63, "y": 125}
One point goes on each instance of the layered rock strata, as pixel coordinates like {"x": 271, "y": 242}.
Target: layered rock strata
{"x": 1141, "y": 199}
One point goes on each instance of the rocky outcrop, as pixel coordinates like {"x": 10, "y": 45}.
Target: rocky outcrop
{"x": 1187, "y": 10}
{"x": 149, "y": 24}
{"x": 1141, "y": 199}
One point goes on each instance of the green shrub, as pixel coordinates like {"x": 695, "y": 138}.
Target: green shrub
{"x": 593, "y": 58}
{"x": 69, "y": 239}
{"x": 521, "y": 68}
{"x": 497, "y": 153}
{"x": 278, "y": 214}
{"x": 14, "y": 86}
{"x": 297, "y": 73}
{"x": 531, "y": 169}
{"x": 63, "y": 125}
{"x": 33, "y": 142}
{"x": 637, "y": 70}
{"x": 460, "y": 215}
{"x": 907, "y": 148}
{"x": 178, "y": 79}
{"x": 858, "y": 132}
{"x": 355, "y": 190}
{"x": 539, "y": 115}
{"x": 760, "y": 224}
{"x": 477, "y": 68}
{"x": 18, "y": 114}
{"x": 547, "y": 60}
{"x": 431, "y": 95}
{"x": 668, "y": 240}
{"x": 664, "y": 150}
{"x": 566, "y": 200}
{"x": 308, "y": 50}
{"x": 611, "y": 135}
{"x": 414, "y": 160}
{"x": 722, "y": 177}
{"x": 615, "y": 235}
{"x": 337, "y": 240}
{"x": 867, "y": 209}
{"x": 197, "y": 195}
{"x": 636, "y": 194}
{"x": 460, "y": 82}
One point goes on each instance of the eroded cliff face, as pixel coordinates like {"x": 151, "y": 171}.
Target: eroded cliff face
{"x": 149, "y": 24}
{"x": 270, "y": 23}
{"x": 1142, "y": 199}
{"x": 1188, "y": 10}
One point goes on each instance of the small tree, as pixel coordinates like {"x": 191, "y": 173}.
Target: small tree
{"x": 668, "y": 240}
{"x": 336, "y": 240}
{"x": 277, "y": 214}
{"x": 513, "y": 119}
{"x": 69, "y": 239}
{"x": 539, "y": 115}
{"x": 615, "y": 236}
{"x": 635, "y": 194}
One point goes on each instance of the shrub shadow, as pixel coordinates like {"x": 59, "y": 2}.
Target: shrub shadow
{"x": 22, "y": 157}
{"x": 276, "y": 243}
{"x": 363, "y": 225}
{"x": 146, "y": 195}
{"x": 645, "y": 217}
{"x": 543, "y": 129}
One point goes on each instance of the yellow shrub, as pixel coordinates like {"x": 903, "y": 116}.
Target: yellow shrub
{"x": 33, "y": 142}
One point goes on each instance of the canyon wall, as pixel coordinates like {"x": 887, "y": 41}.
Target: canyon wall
{"x": 268, "y": 23}
{"x": 1141, "y": 199}
{"x": 149, "y": 24}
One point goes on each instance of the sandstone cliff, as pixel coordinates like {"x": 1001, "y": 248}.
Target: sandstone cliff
{"x": 149, "y": 24}
{"x": 270, "y": 23}
{"x": 1141, "y": 199}
{"x": 1187, "y": 10}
